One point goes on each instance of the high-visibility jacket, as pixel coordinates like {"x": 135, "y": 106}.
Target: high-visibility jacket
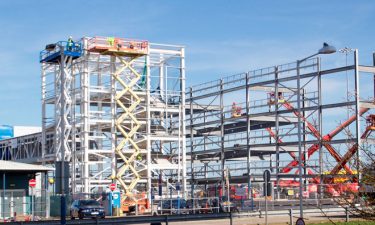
{"x": 70, "y": 42}
{"x": 111, "y": 41}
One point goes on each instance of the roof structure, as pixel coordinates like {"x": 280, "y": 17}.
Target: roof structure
{"x": 11, "y": 166}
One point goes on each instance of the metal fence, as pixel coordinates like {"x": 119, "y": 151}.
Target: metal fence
{"x": 287, "y": 216}
{"x": 17, "y": 203}
{"x": 186, "y": 206}
{"x": 42, "y": 205}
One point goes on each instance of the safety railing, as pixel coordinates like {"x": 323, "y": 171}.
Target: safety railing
{"x": 102, "y": 44}
{"x": 74, "y": 48}
{"x": 236, "y": 81}
{"x": 238, "y": 110}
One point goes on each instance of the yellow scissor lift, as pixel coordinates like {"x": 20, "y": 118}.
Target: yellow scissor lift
{"x": 128, "y": 99}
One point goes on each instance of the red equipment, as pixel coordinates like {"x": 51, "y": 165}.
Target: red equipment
{"x": 341, "y": 160}
{"x": 370, "y": 127}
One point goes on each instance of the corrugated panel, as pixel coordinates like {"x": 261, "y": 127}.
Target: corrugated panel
{"x": 16, "y": 166}
{"x": 25, "y": 130}
{"x": 6, "y": 131}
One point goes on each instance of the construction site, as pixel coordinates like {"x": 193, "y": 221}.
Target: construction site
{"x": 118, "y": 117}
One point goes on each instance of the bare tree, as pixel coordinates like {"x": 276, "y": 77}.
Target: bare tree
{"x": 360, "y": 202}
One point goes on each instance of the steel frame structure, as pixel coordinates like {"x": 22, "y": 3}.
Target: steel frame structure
{"x": 81, "y": 94}
{"x": 27, "y": 149}
{"x": 114, "y": 116}
{"x": 220, "y": 137}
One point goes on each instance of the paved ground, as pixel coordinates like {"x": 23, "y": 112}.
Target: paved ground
{"x": 311, "y": 216}
{"x": 274, "y": 217}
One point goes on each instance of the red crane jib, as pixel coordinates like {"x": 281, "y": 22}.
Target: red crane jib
{"x": 352, "y": 150}
{"x": 345, "y": 159}
{"x": 327, "y": 137}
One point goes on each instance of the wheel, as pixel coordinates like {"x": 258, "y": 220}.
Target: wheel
{"x": 71, "y": 215}
{"x": 80, "y": 215}
{"x": 103, "y": 217}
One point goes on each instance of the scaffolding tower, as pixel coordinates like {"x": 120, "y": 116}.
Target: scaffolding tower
{"x": 113, "y": 108}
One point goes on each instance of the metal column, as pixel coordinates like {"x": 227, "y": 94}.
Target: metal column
{"x": 183, "y": 121}
{"x": 222, "y": 147}
{"x": 358, "y": 117}
{"x": 299, "y": 139}
{"x": 277, "y": 130}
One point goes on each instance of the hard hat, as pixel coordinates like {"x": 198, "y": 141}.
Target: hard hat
{"x": 70, "y": 37}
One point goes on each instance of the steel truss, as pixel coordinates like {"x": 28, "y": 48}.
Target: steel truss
{"x": 258, "y": 130}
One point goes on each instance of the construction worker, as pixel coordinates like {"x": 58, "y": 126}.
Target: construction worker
{"x": 131, "y": 45}
{"x": 118, "y": 43}
{"x": 139, "y": 157}
{"x": 236, "y": 110}
{"x": 111, "y": 41}
{"x": 280, "y": 97}
{"x": 70, "y": 43}
{"x": 144, "y": 45}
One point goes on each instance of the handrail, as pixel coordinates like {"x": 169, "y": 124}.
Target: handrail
{"x": 121, "y": 44}
{"x": 76, "y": 47}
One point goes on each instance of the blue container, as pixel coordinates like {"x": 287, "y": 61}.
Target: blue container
{"x": 6, "y": 131}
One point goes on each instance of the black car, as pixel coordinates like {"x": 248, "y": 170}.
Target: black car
{"x": 171, "y": 207}
{"x": 86, "y": 208}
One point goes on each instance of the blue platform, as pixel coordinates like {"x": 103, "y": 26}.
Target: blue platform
{"x": 54, "y": 55}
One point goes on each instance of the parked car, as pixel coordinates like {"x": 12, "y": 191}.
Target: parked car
{"x": 208, "y": 206}
{"x": 192, "y": 206}
{"x": 171, "y": 207}
{"x": 200, "y": 206}
{"x": 224, "y": 207}
{"x": 86, "y": 208}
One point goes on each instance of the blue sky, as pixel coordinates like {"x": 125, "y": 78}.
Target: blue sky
{"x": 221, "y": 37}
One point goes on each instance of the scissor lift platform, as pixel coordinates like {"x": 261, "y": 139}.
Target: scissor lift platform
{"x": 118, "y": 46}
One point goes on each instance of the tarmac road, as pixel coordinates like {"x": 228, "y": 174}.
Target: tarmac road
{"x": 276, "y": 218}
{"x": 311, "y": 216}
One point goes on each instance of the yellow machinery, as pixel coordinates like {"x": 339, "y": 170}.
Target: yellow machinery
{"x": 124, "y": 53}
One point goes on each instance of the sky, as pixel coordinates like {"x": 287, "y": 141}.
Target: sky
{"x": 221, "y": 37}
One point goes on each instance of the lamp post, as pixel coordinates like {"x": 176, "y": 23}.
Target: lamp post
{"x": 327, "y": 49}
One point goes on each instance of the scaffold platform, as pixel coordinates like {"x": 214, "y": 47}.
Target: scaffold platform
{"x": 118, "y": 46}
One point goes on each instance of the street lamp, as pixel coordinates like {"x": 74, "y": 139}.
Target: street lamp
{"x": 326, "y": 49}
